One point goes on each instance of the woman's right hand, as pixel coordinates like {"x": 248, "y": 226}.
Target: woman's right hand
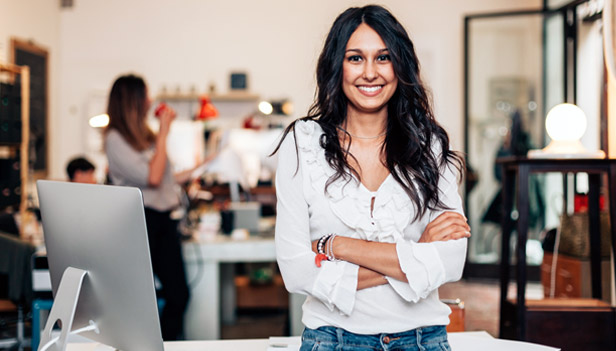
{"x": 447, "y": 226}
{"x": 158, "y": 163}
{"x": 165, "y": 116}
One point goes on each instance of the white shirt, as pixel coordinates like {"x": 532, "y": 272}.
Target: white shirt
{"x": 129, "y": 167}
{"x": 305, "y": 212}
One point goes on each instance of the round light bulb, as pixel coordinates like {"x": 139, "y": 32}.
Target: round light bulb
{"x": 287, "y": 108}
{"x": 99, "y": 121}
{"x": 565, "y": 122}
{"x": 266, "y": 108}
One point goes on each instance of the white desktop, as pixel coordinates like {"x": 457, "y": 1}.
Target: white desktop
{"x": 462, "y": 341}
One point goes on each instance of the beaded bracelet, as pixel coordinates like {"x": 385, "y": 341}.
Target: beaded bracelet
{"x": 321, "y": 243}
{"x": 321, "y": 249}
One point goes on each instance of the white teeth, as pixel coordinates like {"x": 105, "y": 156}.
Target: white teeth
{"x": 370, "y": 89}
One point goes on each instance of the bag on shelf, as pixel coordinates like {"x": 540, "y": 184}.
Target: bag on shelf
{"x": 574, "y": 237}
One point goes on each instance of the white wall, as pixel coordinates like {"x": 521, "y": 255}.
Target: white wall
{"x": 194, "y": 42}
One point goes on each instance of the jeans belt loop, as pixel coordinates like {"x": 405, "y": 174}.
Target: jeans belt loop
{"x": 418, "y": 337}
{"x": 340, "y": 334}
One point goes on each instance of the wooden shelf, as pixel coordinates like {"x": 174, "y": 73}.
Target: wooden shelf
{"x": 229, "y": 97}
{"x": 570, "y": 324}
{"x": 567, "y": 303}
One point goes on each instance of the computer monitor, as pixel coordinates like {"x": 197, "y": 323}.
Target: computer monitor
{"x": 101, "y": 229}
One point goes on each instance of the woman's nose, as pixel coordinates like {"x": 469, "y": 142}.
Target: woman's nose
{"x": 370, "y": 71}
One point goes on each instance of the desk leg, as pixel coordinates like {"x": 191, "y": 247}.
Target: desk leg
{"x": 523, "y": 209}
{"x": 506, "y": 227}
{"x": 227, "y": 293}
{"x": 202, "y": 319}
{"x": 295, "y": 313}
{"x": 594, "y": 182}
{"x": 612, "y": 204}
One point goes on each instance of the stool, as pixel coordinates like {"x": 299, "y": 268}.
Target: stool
{"x": 18, "y": 340}
{"x": 456, "y": 318}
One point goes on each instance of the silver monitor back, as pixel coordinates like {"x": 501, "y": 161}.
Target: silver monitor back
{"x": 101, "y": 229}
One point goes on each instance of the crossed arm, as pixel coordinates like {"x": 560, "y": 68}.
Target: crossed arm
{"x": 377, "y": 260}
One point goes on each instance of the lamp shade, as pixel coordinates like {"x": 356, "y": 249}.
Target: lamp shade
{"x": 565, "y": 124}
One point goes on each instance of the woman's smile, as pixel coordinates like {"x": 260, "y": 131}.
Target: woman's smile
{"x": 370, "y": 90}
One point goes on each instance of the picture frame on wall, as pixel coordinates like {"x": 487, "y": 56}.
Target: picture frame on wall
{"x": 238, "y": 81}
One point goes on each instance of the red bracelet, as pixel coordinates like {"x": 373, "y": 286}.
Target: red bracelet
{"x": 318, "y": 258}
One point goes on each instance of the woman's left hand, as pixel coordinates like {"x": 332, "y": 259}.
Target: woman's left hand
{"x": 447, "y": 226}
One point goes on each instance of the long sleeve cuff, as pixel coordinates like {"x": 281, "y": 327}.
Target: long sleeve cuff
{"x": 336, "y": 285}
{"x": 421, "y": 263}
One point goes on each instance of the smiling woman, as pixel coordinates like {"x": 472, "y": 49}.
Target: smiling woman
{"x": 369, "y": 220}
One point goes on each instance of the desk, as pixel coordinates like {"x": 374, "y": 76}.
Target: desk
{"x": 520, "y": 169}
{"x": 464, "y": 341}
{"x": 209, "y": 279}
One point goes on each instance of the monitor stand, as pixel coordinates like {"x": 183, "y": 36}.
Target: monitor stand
{"x": 63, "y": 309}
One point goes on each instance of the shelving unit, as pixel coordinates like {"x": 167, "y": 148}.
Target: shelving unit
{"x": 24, "y": 71}
{"x": 230, "y": 106}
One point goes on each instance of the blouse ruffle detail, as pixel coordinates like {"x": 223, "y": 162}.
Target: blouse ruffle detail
{"x": 350, "y": 201}
{"x": 336, "y": 286}
{"x": 423, "y": 269}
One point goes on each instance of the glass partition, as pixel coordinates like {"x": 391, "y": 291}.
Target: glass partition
{"x": 517, "y": 66}
{"x": 505, "y": 118}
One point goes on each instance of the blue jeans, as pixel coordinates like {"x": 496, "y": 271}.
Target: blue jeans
{"x": 432, "y": 338}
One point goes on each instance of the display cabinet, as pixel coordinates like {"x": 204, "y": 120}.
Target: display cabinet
{"x": 14, "y": 143}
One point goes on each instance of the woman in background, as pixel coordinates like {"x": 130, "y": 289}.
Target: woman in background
{"x": 369, "y": 221}
{"x": 138, "y": 157}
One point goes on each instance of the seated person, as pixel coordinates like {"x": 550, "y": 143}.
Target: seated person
{"x": 80, "y": 170}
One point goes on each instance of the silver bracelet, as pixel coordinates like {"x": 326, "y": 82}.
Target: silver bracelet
{"x": 330, "y": 248}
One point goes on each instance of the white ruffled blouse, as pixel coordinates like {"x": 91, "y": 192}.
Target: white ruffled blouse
{"x": 305, "y": 212}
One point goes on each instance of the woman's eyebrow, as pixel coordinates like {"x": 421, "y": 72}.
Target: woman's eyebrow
{"x": 360, "y": 50}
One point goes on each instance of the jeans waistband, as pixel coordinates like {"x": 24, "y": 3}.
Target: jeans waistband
{"x": 422, "y": 335}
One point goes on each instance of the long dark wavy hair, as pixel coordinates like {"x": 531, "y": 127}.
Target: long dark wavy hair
{"x": 127, "y": 110}
{"x": 412, "y": 130}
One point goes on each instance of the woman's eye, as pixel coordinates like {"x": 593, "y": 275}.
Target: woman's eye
{"x": 354, "y": 58}
{"x": 384, "y": 57}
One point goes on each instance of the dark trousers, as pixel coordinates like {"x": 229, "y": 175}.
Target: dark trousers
{"x": 168, "y": 266}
